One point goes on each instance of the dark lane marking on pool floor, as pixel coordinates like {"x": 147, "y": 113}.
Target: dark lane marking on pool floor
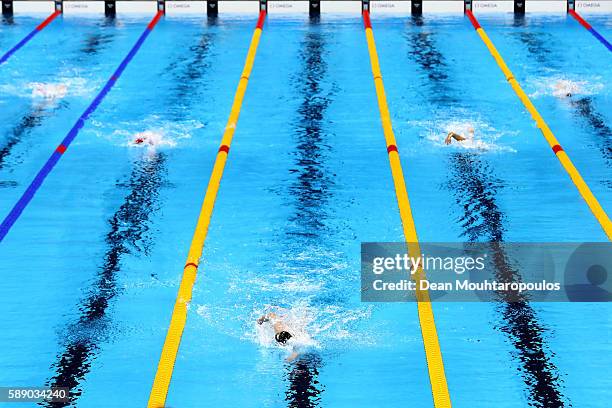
{"x": 309, "y": 193}
{"x": 583, "y": 108}
{"x": 534, "y": 42}
{"x": 40, "y": 177}
{"x": 312, "y": 188}
{"x": 303, "y": 377}
{"x": 432, "y": 62}
{"x": 127, "y": 235}
{"x": 189, "y": 82}
{"x": 99, "y": 40}
{"x": 475, "y": 188}
{"x": 28, "y": 122}
{"x": 28, "y": 37}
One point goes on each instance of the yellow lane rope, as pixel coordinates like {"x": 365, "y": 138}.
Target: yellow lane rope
{"x": 567, "y": 164}
{"x": 159, "y": 391}
{"x": 435, "y": 364}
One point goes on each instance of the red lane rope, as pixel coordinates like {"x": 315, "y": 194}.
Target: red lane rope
{"x": 48, "y": 20}
{"x": 366, "y": 19}
{"x": 392, "y": 148}
{"x": 155, "y": 20}
{"x": 557, "y": 148}
{"x": 580, "y": 19}
{"x": 473, "y": 20}
{"x": 261, "y": 19}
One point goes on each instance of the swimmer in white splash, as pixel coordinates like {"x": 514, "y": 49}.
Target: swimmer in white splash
{"x": 50, "y": 92}
{"x": 458, "y": 137}
{"x": 149, "y": 139}
{"x": 282, "y": 332}
{"x": 144, "y": 138}
{"x": 564, "y": 88}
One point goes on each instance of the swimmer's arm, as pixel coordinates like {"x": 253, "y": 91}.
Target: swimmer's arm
{"x": 266, "y": 318}
{"x": 453, "y": 135}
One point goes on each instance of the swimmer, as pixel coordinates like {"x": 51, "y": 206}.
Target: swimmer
{"x": 147, "y": 138}
{"x": 282, "y": 332}
{"x": 565, "y": 89}
{"x": 49, "y": 91}
{"x": 458, "y": 137}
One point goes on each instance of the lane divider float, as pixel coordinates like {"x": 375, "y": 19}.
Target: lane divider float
{"x": 567, "y": 164}
{"x": 40, "y": 177}
{"x": 165, "y": 368}
{"x": 28, "y": 37}
{"x": 590, "y": 28}
{"x": 433, "y": 354}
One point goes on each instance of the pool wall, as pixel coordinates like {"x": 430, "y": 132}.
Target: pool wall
{"x": 299, "y": 6}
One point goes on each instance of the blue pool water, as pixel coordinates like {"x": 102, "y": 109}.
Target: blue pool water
{"x": 91, "y": 269}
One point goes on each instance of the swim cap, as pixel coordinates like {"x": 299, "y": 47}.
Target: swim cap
{"x": 282, "y": 337}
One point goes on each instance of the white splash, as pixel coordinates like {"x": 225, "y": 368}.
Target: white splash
{"x": 48, "y": 91}
{"x": 289, "y": 285}
{"x": 313, "y": 327}
{"x": 150, "y": 133}
{"x": 150, "y": 139}
{"x": 480, "y": 136}
{"x": 562, "y": 87}
{"x": 297, "y": 319}
{"x": 69, "y": 83}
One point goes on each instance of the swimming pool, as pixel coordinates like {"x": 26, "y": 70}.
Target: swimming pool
{"x": 92, "y": 267}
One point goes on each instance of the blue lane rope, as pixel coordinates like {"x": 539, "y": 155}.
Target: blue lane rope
{"x": 601, "y": 38}
{"x": 28, "y": 37}
{"x": 590, "y": 29}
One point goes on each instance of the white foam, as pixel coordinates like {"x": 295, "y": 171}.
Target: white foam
{"x": 485, "y": 137}
{"x": 150, "y": 139}
{"x": 291, "y": 284}
{"x": 48, "y": 91}
{"x": 297, "y": 319}
{"x": 564, "y": 87}
{"x": 312, "y": 327}
{"x": 315, "y": 327}
{"x": 79, "y": 86}
{"x": 152, "y": 133}
{"x": 69, "y": 82}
